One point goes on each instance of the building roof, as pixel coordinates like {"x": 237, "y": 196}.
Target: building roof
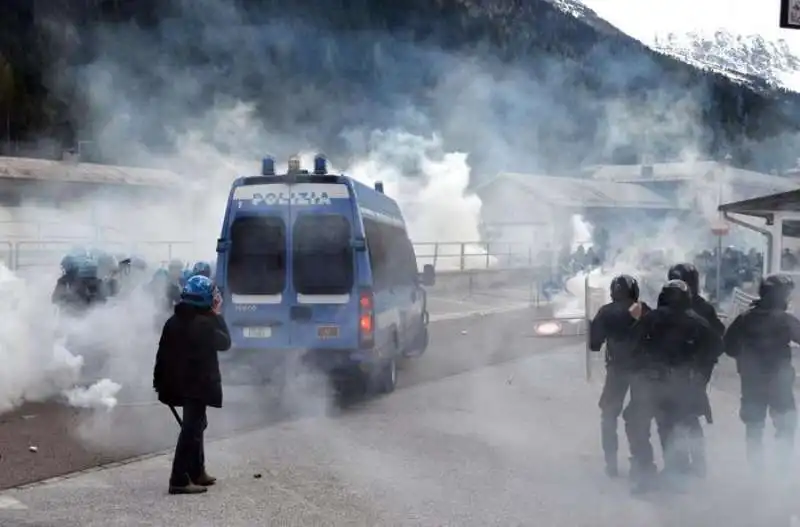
{"x": 23, "y": 168}
{"x": 583, "y": 193}
{"x": 688, "y": 171}
{"x": 765, "y": 206}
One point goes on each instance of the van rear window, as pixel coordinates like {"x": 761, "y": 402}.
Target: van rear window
{"x": 257, "y": 262}
{"x": 322, "y": 255}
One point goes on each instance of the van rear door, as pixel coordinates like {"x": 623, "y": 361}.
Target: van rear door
{"x": 259, "y": 289}
{"x": 323, "y": 268}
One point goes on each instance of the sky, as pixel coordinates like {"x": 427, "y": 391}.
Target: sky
{"x": 642, "y": 19}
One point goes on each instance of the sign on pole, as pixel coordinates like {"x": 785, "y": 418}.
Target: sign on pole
{"x": 721, "y": 227}
{"x": 790, "y": 14}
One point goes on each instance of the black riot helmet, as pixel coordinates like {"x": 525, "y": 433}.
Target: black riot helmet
{"x": 776, "y": 288}
{"x": 687, "y": 273}
{"x": 675, "y": 294}
{"x": 624, "y": 287}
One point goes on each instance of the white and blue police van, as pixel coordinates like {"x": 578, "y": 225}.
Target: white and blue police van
{"x": 320, "y": 266}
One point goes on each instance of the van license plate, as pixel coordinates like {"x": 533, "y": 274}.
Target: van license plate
{"x": 258, "y": 333}
{"x": 328, "y": 332}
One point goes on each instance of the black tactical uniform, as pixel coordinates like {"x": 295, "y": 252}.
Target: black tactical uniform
{"x": 759, "y": 341}
{"x": 676, "y": 350}
{"x": 613, "y": 325}
{"x": 696, "y": 460}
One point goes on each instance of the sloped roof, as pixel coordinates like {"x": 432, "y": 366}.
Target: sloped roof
{"x": 688, "y": 171}
{"x": 765, "y": 206}
{"x": 23, "y": 168}
{"x": 582, "y": 193}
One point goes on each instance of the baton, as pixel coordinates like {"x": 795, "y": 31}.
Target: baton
{"x": 175, "y": 414}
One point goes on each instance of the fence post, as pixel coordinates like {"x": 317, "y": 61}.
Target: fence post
{"x": 435, "y": 253}
{"x": 463, "y": 256}
{"x": 488, "y": 252}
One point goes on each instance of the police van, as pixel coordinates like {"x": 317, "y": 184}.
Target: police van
{"x": 320, "y": 266}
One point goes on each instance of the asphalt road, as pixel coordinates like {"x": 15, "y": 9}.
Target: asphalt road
{"x": 513, "y": 444}
{"x": 46, "y": 440}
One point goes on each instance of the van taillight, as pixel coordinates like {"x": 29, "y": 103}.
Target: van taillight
{"x": 366, "y": 319}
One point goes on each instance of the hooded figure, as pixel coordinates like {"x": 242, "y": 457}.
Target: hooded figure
{"x": 187, "y": 375}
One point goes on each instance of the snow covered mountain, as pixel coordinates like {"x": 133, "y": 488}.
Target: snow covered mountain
{"x": 738, "y": 38}
{"x": 739, "y": 56}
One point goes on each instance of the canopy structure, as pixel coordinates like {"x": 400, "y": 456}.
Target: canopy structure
{"x": 780, "y": 224}
{"x": 765, "y": 206}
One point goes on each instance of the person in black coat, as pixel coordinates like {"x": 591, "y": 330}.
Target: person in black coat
{"x": 187, "y": 375}
{"x": 695, "y": 463}
{"x": 614, "y": 326}
{"x": 760, "y": 341}
{"x": 677, "y": 348}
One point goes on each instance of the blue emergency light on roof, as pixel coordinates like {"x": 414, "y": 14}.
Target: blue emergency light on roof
{"x": 379, "y": 186}
{"x": 320, "y": 165}
{"x": 268, "y": 166}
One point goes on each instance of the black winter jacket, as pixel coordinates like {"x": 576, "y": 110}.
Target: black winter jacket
{"x": 187, "y": 366}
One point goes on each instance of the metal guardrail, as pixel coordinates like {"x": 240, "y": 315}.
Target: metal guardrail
{"x": 463, "y": 256}
{"x": 444, "y": 256}
{"x": 47, "y": 254}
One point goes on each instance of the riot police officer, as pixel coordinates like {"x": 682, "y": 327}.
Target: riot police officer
{"x": 676, "y": 346}
{"x": 613, "y": 325}
{"x": 696, "y": 460}
{"x": 759, "y": 340}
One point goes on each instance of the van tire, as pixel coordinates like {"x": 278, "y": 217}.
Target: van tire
{"x": 384, "y": 379}
{"x": 387, "y": 379}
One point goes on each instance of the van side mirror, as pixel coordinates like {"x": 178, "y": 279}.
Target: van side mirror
{"x": 428, "y": 275}
{"x": 223, "y": 245}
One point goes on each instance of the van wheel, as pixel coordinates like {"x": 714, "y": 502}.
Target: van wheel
{"x": 386, "y": 379}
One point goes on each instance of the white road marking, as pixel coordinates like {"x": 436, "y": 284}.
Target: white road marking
{"x": 451, "y": 300}
{"x": 478, "y": 312}
{"x": 9, "y": 503}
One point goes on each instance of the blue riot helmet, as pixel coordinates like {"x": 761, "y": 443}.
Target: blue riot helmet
{"x": 69, "y": 264}
{"x": 87, "y": 268}
{"x": 202, "y": 269}
{"x": 198, "y": 291}
{"x": 78, "y": 252}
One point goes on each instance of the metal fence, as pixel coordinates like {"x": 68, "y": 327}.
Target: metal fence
{"x": 463, "y": 256}
{"x": 47, "y": 254}
{"x": 444, "y": 256}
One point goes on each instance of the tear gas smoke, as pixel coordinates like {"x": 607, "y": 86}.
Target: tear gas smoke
{"x": 426, "y": 122}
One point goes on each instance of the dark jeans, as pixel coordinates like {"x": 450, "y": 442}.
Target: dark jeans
{"x": 189, "y": 462}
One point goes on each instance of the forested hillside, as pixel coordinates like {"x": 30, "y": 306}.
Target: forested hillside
{"x": 549, "y": 79}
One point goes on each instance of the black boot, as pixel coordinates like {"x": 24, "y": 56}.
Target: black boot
{"x": 612, "y": 468}
{"x": 643, "y": 478}
{"x": 754, "y": 439}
